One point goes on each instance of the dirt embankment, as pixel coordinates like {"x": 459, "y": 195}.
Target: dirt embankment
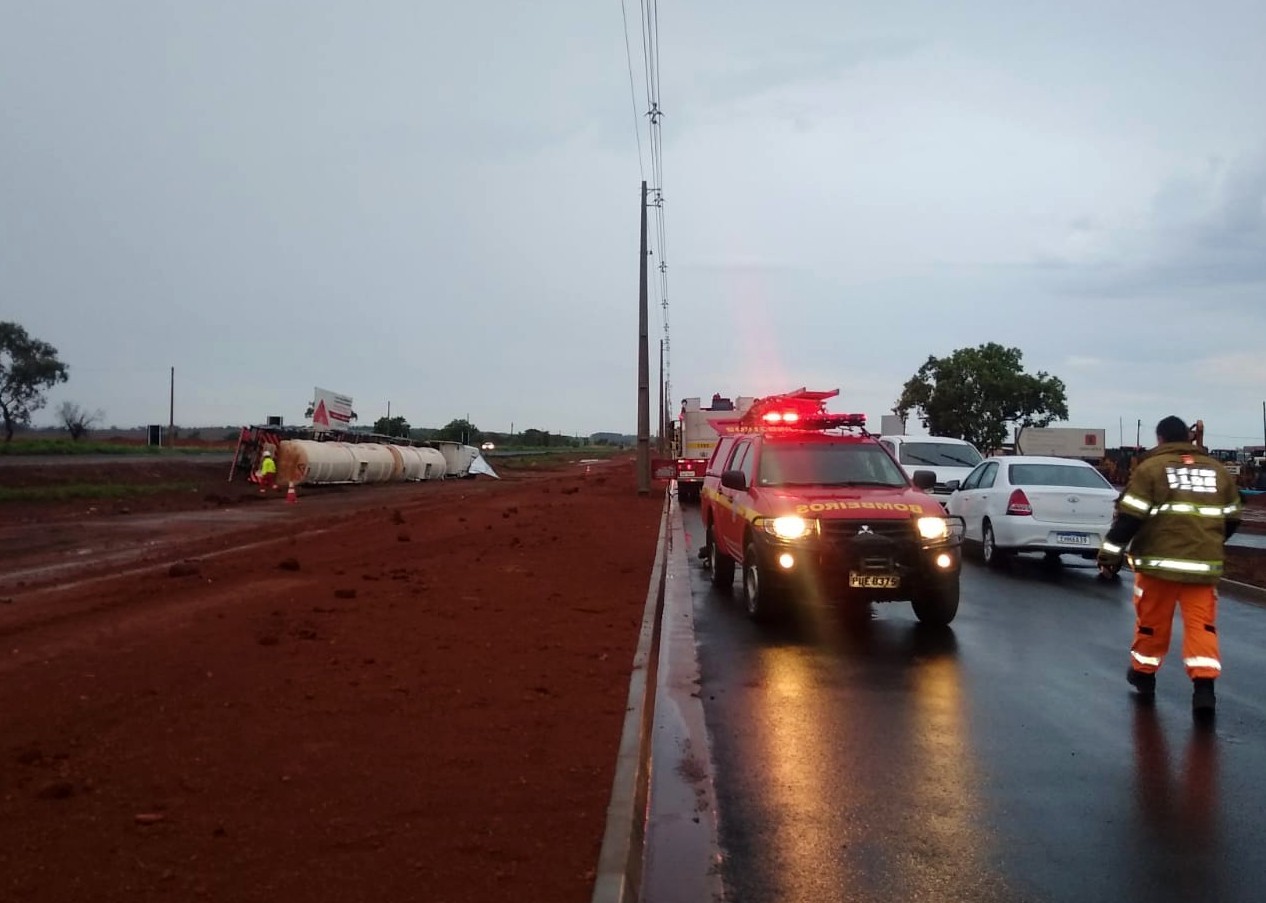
{"x": 407, "y": 692}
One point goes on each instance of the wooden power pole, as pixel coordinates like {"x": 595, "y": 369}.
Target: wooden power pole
{"x": 643, "y": 370}
{"x": 659, "y": 430}
{"x": 171, "y": 411}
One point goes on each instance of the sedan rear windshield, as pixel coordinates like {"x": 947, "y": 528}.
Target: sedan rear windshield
{"x": 939, "y": 454}
{"x": 828, "y": 464}
{"x": 1057, "y": 475}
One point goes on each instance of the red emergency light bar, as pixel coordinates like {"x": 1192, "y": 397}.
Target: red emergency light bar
{"x": 781, "y": 417}
{"x": 835, "y": 421}
{"x": 798, "y": 410}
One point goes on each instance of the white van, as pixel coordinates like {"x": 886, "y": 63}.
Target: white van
{"x": 949, "y": 459}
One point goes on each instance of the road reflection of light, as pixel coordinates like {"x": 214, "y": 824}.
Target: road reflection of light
{"x": 942, "y": 770}
{"x": 846, "y": 782}
{"x": 1178, "y": 804}
{"x": 798, "y": 744}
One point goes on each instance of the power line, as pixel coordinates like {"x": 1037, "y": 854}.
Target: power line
{"x": 628, "y": 56}
{"x": 651, "y": 63}
{"x": 657, "y": 244}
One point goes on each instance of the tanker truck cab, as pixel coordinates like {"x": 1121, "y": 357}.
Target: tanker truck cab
{"x": 808, "y": 507}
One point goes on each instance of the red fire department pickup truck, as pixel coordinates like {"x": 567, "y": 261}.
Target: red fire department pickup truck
{"x": 811, "y": 506}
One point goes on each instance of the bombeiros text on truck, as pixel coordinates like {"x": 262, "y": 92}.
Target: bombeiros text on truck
{"x": 810, "y": 508}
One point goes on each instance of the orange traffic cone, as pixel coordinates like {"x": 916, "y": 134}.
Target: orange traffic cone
{"x": 291, "y": 498}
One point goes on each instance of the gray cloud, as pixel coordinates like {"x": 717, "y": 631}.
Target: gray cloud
{"x": 1202, "y": 231}
{"x": 437, "y": 205}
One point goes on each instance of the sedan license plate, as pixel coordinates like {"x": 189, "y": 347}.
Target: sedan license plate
{"x": 873, "y": 581}
{"x": 1073, "y": 539}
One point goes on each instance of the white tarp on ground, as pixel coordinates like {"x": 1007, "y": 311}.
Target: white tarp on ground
{"x": 479, "y": 465}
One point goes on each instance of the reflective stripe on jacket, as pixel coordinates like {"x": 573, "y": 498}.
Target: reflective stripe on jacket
{"x": 1184, "y": 499}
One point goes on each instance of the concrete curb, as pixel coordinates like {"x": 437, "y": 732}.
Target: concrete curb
{"x": 682, "y": 860}
{"x": 1242, "y": 590}
{"x": 619, "y": 874}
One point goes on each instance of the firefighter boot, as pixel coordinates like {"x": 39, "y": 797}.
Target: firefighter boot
{"x": 1143, "y": 682}
{"x": 1203, "y": 700}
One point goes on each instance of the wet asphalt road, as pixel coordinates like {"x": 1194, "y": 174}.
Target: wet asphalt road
{"x": 1001, "y": 759}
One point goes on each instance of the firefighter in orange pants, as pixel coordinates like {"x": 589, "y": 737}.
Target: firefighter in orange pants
{"x": 1175, "y": 516}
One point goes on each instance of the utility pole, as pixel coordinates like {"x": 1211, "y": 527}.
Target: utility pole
{"x": 1138, "y": 435}
{"x": 660, "y": 429}
{"x": 171, "y": 412}
{"x": 643, "y": 370}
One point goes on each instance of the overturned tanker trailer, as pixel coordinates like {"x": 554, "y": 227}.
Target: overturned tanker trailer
{"x": 309, "y": 462}
{"x": 304, "y": 459}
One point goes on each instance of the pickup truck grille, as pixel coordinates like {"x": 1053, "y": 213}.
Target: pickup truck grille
{"x": 871, "y": 545}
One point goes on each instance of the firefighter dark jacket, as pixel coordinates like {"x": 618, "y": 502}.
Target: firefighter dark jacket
{"x": 1176, "y": 514}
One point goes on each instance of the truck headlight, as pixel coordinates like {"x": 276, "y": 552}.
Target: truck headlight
{"x": 933, "y": 527}
{"x": 789, "y": 527}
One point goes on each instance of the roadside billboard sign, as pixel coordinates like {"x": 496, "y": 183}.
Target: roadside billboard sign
{"x": 330, "y": 410}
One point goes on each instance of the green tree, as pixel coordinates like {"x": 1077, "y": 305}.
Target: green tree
{"x": 459, "y": 431}
{"x": 27, "y": 367}
{"x": 392, "y": 426}
{"x": 977, "y": 393}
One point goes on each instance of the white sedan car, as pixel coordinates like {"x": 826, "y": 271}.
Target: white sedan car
{"x": 1026, "y": 503}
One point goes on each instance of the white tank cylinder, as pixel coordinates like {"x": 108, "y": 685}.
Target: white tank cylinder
{"x": 422, "y": 463}
{"x": 374, "y": 463}
{"x": 306, "y": 461}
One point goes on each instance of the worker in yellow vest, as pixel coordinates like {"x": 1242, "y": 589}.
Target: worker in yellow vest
{"x": 1175, "y": 516}
{"x": 267, "y": 477}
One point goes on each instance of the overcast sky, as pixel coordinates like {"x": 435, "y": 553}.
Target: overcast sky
{"x": 435, "y": 205}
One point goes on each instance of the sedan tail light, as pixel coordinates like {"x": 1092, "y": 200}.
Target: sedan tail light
{"x": 1018, "y": 505}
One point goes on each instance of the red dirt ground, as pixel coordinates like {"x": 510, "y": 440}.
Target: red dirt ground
{"x": 388, "y": 693}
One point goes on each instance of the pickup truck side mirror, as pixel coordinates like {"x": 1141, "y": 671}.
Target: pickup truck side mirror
{"x": 954, "y": 485}
{"x": 734, "y": 479}
{"x": 924, "y": 479}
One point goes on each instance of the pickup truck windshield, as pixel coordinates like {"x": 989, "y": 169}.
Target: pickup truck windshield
{"x": 828, "y": 464}
{"x": 939, "y": 454}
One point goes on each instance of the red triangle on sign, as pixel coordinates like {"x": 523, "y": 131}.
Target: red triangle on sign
{"x": 320, "y": 417}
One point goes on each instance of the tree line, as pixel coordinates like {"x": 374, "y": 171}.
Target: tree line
{"x": 462, "y": 430}
{"x": 978, "y": 394}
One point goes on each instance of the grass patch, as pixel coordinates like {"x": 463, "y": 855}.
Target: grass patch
{"x": 527, "y": 459}
{"x": 69, "y": 447}
{"x": 71, "y": 491}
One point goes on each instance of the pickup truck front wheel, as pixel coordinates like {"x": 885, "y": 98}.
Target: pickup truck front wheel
{"x": 763, "y": 600}
{"x": 937, "y": 602}
{"x": 721, "y": 565}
